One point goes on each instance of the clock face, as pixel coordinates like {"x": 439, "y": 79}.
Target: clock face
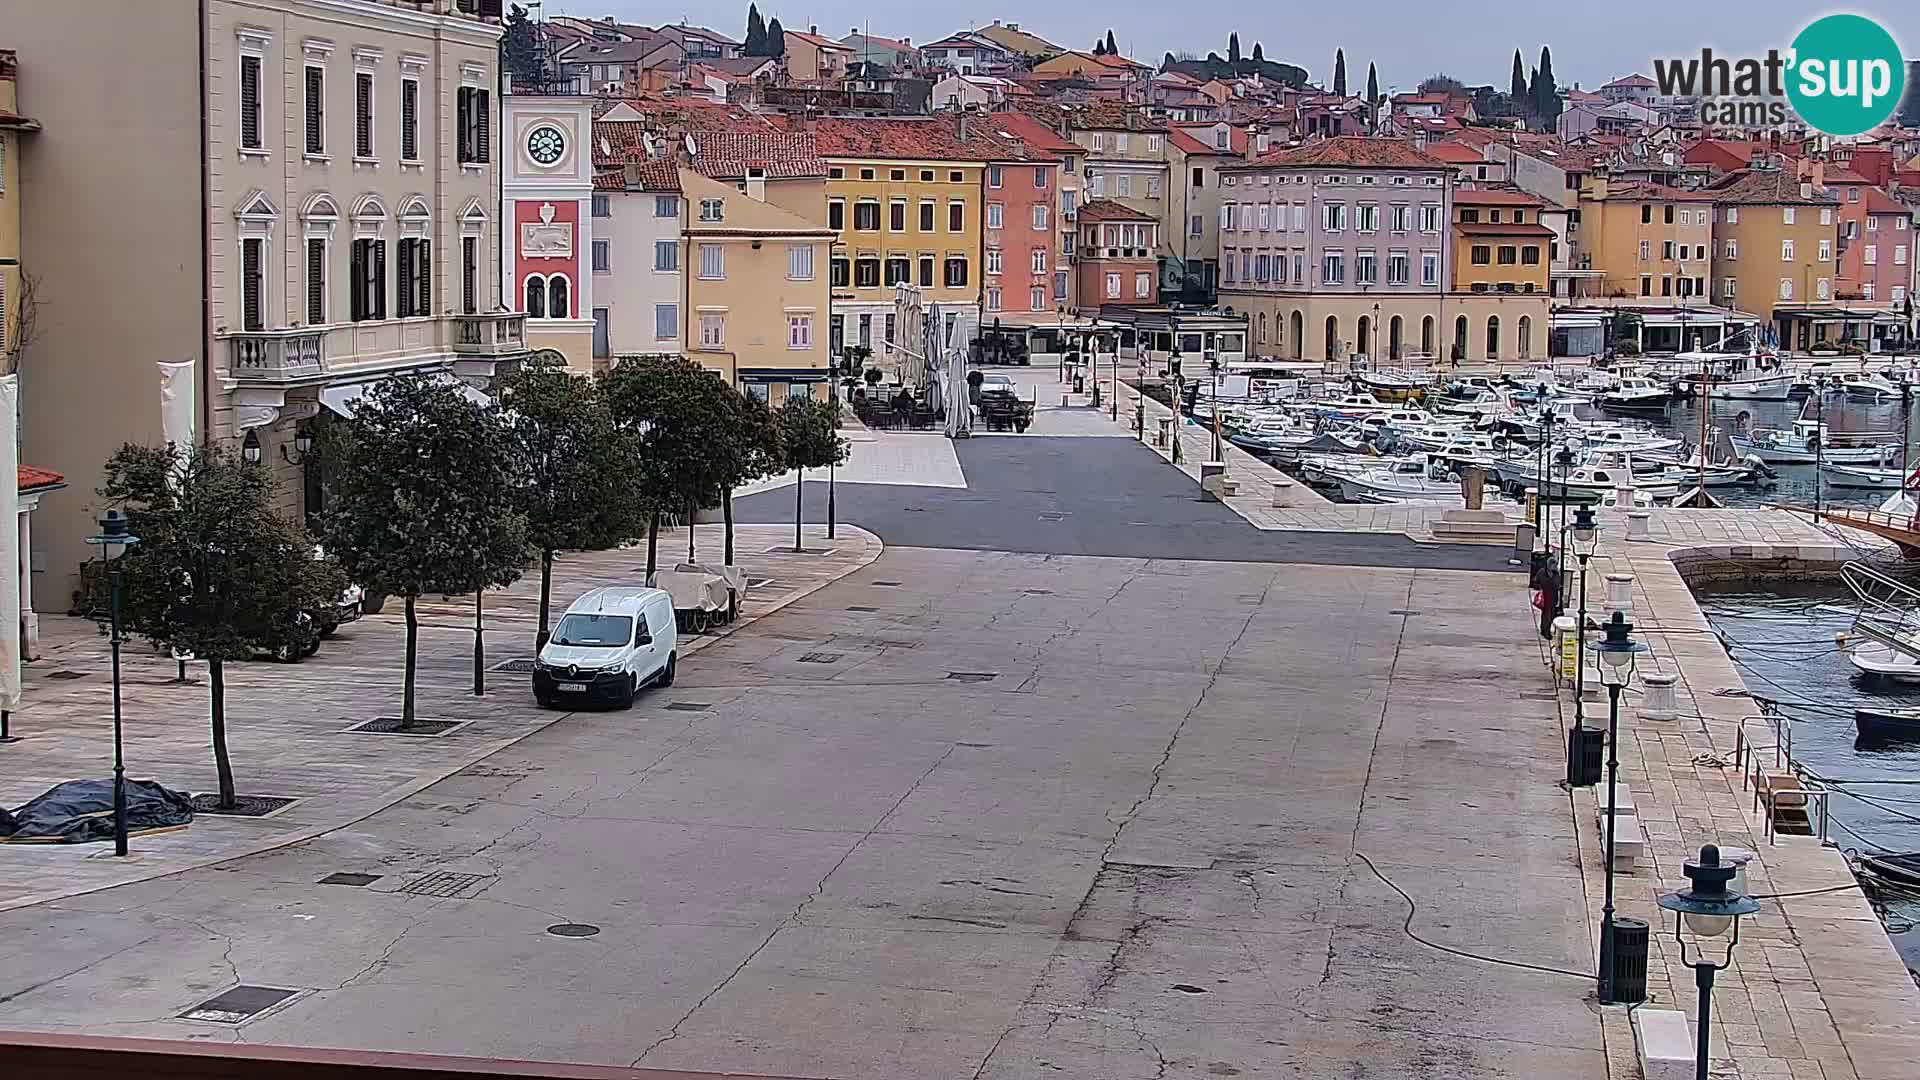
{"x": 545, "y": 144}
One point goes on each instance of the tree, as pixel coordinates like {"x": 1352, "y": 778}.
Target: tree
{"x": 1518, "y": 89}
{"x": 1112, "y": 49}
{"x": 576, "y": 469}
{"x": 1373, "y": 98}
{"x": 776, "y": 39}
{"x": 751, "y": 449}
{"x": 682, "y": 415}
{"x": 520, "y": 51}
{"x": 1233, "y": 48}
{"x": 1257, "y": 58}
{"x": 1099, "y": 47}
{"x": 1166, "y": 62}
{"x": 1544, "y": 95}
{"x": 756, "y": 42}
{"x": 1340, "y": 72}
{"x": 26, "y": 323}
{"x": 218, "y": 571}
{"x": 1441, "y": 84}
{"x": 423, "y": 481}
{"x": 810, "y": 437}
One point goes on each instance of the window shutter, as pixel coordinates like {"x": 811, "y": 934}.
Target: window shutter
{"x": 3, "y": 311}
{"x": 409, "y": 120}
{"x": 362, "y": 115}
{"x": 378, "y": 280}
{"x": 250, "y": 284}
{"x": 316, "y": 282}
{"x": 357, "y": 278}
{"x": 405, "y": 292}
{"x": 423, "y": 265}
{"x": 463, "y": 121}
{"x": 483, "y": 138}
{"x": 250, "y": 102}
{"x": 468, "y": 272}
{"x": 316, "y": 111}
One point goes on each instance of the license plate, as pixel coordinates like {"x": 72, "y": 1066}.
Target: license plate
{"x": 572, "y": 687}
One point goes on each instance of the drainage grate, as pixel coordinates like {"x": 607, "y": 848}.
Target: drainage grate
{"x": 573, "y": 929}
{"x": 243, "y": 805}
{"x": 238, "y": 1004}
{"x": 445, "y": 883}
{"x": 973, "y": 676}
{"x": 394, "y": 725}
{"x": 821, "y": 658}
{"x": 64, "y": 676}
{"x": 1038, "y": 592}
{"x": 1053, "y": 515}
{"x": 861, "y": 607}
{"x": 689, "y": 706}
{"x": 357, "y": 881}
{"x": 884, "y": 584}
{"x": 787, "y": 549}
{"x": 1402, "y": 611}
{"x": 519, "y": 666}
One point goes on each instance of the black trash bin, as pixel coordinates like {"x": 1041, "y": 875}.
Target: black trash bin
{"x": 1584, "y": 750}
{"x": 1629, "y": 960}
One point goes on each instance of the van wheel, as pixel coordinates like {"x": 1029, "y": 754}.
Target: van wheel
{"x": 666, "y": 673}
{"x": 633, "y": 691}
{"x": 545, "y": 701}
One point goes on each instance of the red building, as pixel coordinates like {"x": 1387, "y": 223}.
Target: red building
{"x": 1117, "y": 266}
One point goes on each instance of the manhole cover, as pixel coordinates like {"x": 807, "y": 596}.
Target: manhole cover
{"x": 916, "y": 509}
{"x": 238, "y": 1004}
{"x": 66, "y": 675}
{"x": 394, "y": 725}
{"x": 357, "y": 881}
{"x": 1189, "y": 988}
{"x": 861, "y": 607}
{"x": 885, "y": 584}
{"x": 973, "y": 676}
{"x": 445, "y": 883}
{"x": 689, "y": 706}
{"x": 821, "y": 658}
{"x": 1402, "y": 611}
{"x": 1053, "y": 516}
{"x": 787, "y": 549}
{"x": 759, "y": 582}
{"x": 573, "y": 929}
{"x": 243, "y": 805}
{"x": 519, "y": 666}
{"x": 1038, "y": 592}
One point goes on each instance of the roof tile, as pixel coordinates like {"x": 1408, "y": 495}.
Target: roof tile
{"x": 1352, "y": 151}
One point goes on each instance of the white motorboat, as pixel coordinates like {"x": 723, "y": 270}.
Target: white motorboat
{"x": 1883, "y": 661}
{"x": 1749, "y": 376}
{"x": 1754, "y": 386}
{"x": 1861, "y": 477}
{"x": 1351, "y": 406}
{"x": 1627, "y": 440}
{"x": 1407, "y": 478}
{"x": 1270, "y": 434}
{"x": 1636, "y": 394}
{"x": 1864, "y": 386}
{"x": 1809, "y": 441}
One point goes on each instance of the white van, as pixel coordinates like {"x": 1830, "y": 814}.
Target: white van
{"x": 609, "y": 644}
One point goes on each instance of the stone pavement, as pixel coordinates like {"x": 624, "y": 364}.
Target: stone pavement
{"x": 919, "y": 459}
{"x": 286, "y": 723}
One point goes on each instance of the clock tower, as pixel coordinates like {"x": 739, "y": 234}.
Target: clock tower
{"x": 547, "y": 181}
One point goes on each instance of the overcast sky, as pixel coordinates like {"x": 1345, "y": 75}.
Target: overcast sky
{"x": 1408, "y": 39}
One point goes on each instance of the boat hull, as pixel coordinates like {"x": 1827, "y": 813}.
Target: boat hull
{"x": 1864, "y": 479}
{"x": 1888, "y": 724}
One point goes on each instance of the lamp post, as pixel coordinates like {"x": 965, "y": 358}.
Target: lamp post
{"x": 1115, "y": 405}
{"x": 1213, "y": 367}
{"x": 250, "y": 447}
{"x": 113, "y": 533}
{"x": 833, "y": 396}
{"x": 1540, "y": 474}
{"x": 1616, "y": 670}
{"x": 1179, "y": 399}
{"x": 1564, "y": 459}
{"x": 1586, "y": 537}
{"x": 1708, "y": 907}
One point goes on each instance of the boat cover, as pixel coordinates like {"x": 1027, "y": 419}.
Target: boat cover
{"x": 81, "y": 811}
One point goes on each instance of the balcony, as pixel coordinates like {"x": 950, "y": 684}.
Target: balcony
{"x": 495, "y": 335}
{"x": 277, "y": 357}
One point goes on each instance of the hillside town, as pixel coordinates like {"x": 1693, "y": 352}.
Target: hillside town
{"x": 549, "y": 545}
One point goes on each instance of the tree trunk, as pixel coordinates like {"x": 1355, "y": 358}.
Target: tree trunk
{"x": 406, "y": 691}
{"x": 726, "y": 513}
{"x": 479, "y": 641}
{"x": 217, "y": 701}
{"x": 653, "y": 544}
{"x": 799, "y": 493}
{"x": 690, "y": 509}
{"x": 546, "y": 595}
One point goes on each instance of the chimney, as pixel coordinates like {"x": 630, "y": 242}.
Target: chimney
{"x": 1806, "y": 190}
{"x": 756, "y": 184}
{"x": 960, "y": 123}
{"x": 633, "y": 174}
{"x": 1254, "y": 137}
{"x": 814, "y": 30}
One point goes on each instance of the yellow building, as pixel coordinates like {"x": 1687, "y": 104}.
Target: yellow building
{"x": 1651, "y": 243}
{"x": 1499, "y": 243}
{"x": 904, "y": 199}
{"x": 757, "y": 294}
{"x": 1775, "y": 239}
{"x": 12, "y": 126}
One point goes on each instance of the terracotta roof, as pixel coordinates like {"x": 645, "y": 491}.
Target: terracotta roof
{"x": 1643, "y": 191}
{"x": 874, "y": 39}
{"x": 727, "y": 155}
{"x": 1190, "y": 143}
{"x": 1420, "y": 99}
{"x": 1456, "y": 153}
{"x": 911, "y": 138}
{"x": 1352, "y": 151}
{"x": 1766, "y": 187}
{"x": 1879, "y": 202}
{"x": 1834, "y": 174}
{"x": 1635, "y": 80}
{"x": 1036, "y": 135}
{"x": 1108, "y": 210}
{"x": 1503, "y": 228}
{"x": 736, "y": 65}
{"x": 817, "y": 41}
{"x": 1494, "y": 197}
{"x": 32, "y": 478}
{"x": 1742, "y": 151}
{"x": 1094, "y": 116}
{"x": 661, "y": 176}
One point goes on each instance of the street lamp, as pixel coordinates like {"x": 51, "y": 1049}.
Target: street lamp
{"x": 1179, "y": 398}
{"x": 1586, "y": 537}
{"x": 302, "y": 444}
{"x": 1564, "y": 459}
{"x": 1709, "y": 908}
{"x": 1616, "y": 671}
{"x": 833, "y": 396}
{"x": 1213, "y": 366}
{"x": 1115, "y": 404}
{"x": 113, "y": 533}
{"x": 250, "y": 447}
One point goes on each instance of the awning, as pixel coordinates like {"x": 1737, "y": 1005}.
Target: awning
{"x": 343, "y": 398}
{"x": 800, "y": 375}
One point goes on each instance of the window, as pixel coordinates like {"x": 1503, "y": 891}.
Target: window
{"x": 926, "y": 215}
{"x": 368, "y": 299}
{"x": 956, "y": 272}
{"x": 955, "y": 177}
{"x": 413, "y": 289}
{"x": 839, "y": 272}
{"x": 1153, "y": 144}
{"x": 470, "y": 274}
{"x": 1365, "y": 268}
{"x": 316, "y": 281}
{"x": 1430, "y": 217}
{"x": 666, "y": 255}
{"x": 1786, "y": 250}
{"x": 1899, "y": 254}
{"x": 1822, "y": 289}
{"x": 926, "y": 271}
{"x": 1333, "y": 217}
{"x": 1646, "y": 213}
{"x": 713, "y": 329}
{"x": 1866, "y": 290}
{"x": 1402, "y": 217}
{"x": 409, "y": 120}
{"x": 1899, "y": 294}
{"x": 1826, "y": 250}
{"x": 1666, "y": 250}
{"x": 837, "y": 214}
{"x": 1333, "y": 269}
{"x": 1123, "y": 186}
{"x": 1666, "y": 285}
{"x": 250, "y": 136}
{"x": 1826, "y": 212}
{"x": 1508, "y": 255}
{"x": 712, "y": 210}
{"x": 1646, "y": 250}
{"x": 1265, "y": 219}
{"x": 1262, "y": 268}
{"x": 1733, "y": 249}
{"x": 1493, "y": 337}
{"x": 799, "y": 331}
{"x": 993, "y": 176}
{"x": 1369, "y": 217}
{"x": 1786, "y": 214}
{"x": 995, "y": 214}
{"x": 1040, "y": 177}
{"x": 956, "y": 216}
{"x": 316, "y": 110}
{"x": 1728, "y": 287}
{"x": 1299, "y": 217}
{"x": 253, "y": 285}
{"x": 666, "y": 322}
{"x": 1482, "y": 255}
{"x": 602, "y": 206}
{"x": 926, "y": 176}
{"x": 1196, "y": 224}
{"x": 1142, "y": 285}
{"x": 476, "y": 125}
{"x": 1873, "y": 225}
{"x": 1039, "y": 262}
{"x": 1037, "y": 298}
{"x": 1468, "y": 215}
{"x": 602, "y": 257}
{"x": 899, "y": 270}
{"x": 363, "y": 114}
{"x": 1530, "y": 255}
{"x": 1040, "y": 216}
{"x": 1429, "y": 268}
{"x": 713, "y": 262}
{"x": 799, "y": 262}
{"x": 1666, "y": 213}
{"x": 1646, "y": 285}
{"x": 1397, "y": 268}
{"x": 1899, "y": 224}
{"x": 993, "y": 298}
{"x": 866, "y": 272}
{"x": 666, "y": 206}
{"x": 993, "y": 260}
{"x": 1786, "y": 288}
{"x": 1059, "y": 284}
{"x": 866, "y": 174}
{"x": 536, "y": 296}
{"x": 897, "y": 174}
{"x": 866, "y": 215}
{"x": 897, "y": 215}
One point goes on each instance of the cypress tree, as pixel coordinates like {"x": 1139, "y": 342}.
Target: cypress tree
{"x": 1546, "y": 96}
{"x": 1373, "y": 97}
{"x": 1233, "y": 48}
{"x": 756, "y": 42}
{"x": 776, "y": 39}
{"x": 1257, "y": 58}
{"x": 1340, "y": 72}
{"x": 1517, "y": 89}
{"x": 1112, "y": 50}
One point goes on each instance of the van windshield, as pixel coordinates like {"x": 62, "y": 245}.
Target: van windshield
{"x": 594, "y": 631}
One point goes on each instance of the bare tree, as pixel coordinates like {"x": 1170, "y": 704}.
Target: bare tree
{"x": 26, "y": 323}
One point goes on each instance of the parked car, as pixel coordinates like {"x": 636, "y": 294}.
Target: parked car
{"x": 610, "y": 643}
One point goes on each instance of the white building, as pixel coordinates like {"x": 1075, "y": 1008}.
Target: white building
{"x": 636, "y": 259}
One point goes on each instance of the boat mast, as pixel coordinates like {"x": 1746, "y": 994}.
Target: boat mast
{"x": 1706, "y": 406}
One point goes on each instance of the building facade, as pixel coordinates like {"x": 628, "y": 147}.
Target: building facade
{"x": 1022, "y": 249}
{"x": 1117, "y": 267}
{"x": 1775, "y": 236}
{"x": 1650, "y": 244}
{"x": 638, "y": 258}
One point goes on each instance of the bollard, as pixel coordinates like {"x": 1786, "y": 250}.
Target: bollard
{"x": 1280, "y": 493}
{"x": 1166, "y": 431}
{"x": 1660, "y": 702}
{"x": 1637, "y": 524}
{"x": 1566, "y": 647}
{"x": 1619, "y": 593}
{"x": 1738, "y": 858}
{"x": 1533, "y": 504}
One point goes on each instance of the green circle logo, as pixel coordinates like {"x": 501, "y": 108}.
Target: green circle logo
{"x": 1846, "y": 74}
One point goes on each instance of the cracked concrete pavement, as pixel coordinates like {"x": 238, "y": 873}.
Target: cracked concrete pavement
{"x": 1128, "y": 854}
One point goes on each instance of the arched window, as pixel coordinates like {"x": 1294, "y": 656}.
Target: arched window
{"x": 1460, "y": 338}
{"x": 1426, "y": 336}
{"x": 1333, "y": 337}
{"x": 536, "y": 296}
{"x": 1297, "y": 333}
{"x": 1363, "y": 343}
{"x": 1393, "y": 337}
{"x": 1526, "y": 337}
{"x": 1493, "y": 337}
{"x": 557, "y": 298}
{"x": 1261, "y": 335}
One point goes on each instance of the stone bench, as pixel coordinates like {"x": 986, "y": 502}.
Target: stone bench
{"x": 1473, "y": 527}
{"x": 1622, "y": 803}
{"x": 1629, "y": 838}
{"x": 1665, "y": 1043}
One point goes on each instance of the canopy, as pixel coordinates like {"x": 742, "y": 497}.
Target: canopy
{"x": 343, "y": 398}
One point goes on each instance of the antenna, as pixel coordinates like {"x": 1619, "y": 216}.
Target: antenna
{"x": 606, "y": 149}
{"x": 692, "y": 147}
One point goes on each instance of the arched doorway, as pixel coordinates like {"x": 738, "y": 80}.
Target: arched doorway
{"x": 1333, "y": 338}
{"x": 1393, "y": 338}
{"x": 1297, "y": 334}
{"x": 1460, "y": 338}
{"x": 1493, "y": 337}
{"x": 1526, "y": 337}
{"x": 1363, "y": 340}
{"x": 1426, "y": 336}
